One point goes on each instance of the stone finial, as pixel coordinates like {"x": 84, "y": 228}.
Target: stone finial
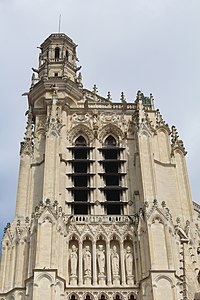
{"x": 48, "y": 202}
{"x": 160, "y": 121}
{"x": 123, "y": 98}
{"x": 95, "y": 90}
{"x": 109, "y": 98}
{"x": 163, "y": 204}
{"x": 155, "y": 202}
{"x": 176, "y": 142}
{"x": 152, "y": 101}
{"x": 79, "y": 80}
{"x": 34, "y": 80}
{"x": 138, "y": 96}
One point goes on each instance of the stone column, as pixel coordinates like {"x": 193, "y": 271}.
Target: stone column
{"x": 108, "y": 262}
{"x": 67, "y": 260}
{"x": 80, "y": 263}
{"x": 3, "y": 265}
{"x": 123, "y": 275}
{"x": 94, "y": 262}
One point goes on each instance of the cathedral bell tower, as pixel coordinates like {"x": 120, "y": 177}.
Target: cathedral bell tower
{"x": 103, "y": 209}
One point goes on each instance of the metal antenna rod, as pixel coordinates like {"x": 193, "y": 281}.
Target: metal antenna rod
{"x": 59, "y": 23}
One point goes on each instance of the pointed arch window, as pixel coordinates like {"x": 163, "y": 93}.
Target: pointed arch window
{"x": 117, "y": 297}
{"x": 80, "y": 141}
{"x": 102, "y": 297}
{"x": 110, "y": 141}
{"x": 112, "y": 163}
{"x": 131, "y": 297}
{"x": 81, "y": 174}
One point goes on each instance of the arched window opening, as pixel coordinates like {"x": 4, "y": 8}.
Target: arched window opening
{"x": 80, "y": 141}
{"x": 132, "y": 297}
{"x": 57, "y": 53}
{"x": 81, "y": 176}
{"x": 102, "y": 297}
{"x": 117, "y": 297}
{"x": 110, "y": 141}
{"x": 87, "y": 297}
{"x": 72, "y": 297}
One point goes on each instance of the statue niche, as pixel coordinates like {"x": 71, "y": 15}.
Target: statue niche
{"x": 73, "y": 263}
{"x": 87, "y": 262}
{"x": 129, "y": 264}
{"x": 115, "y": 266}
{"x": 101, "y": 262}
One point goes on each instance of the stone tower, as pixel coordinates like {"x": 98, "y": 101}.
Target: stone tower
{"x": 103, "y": 210}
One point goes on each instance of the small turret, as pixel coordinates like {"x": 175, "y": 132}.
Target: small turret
{"x": 58, "y": 57}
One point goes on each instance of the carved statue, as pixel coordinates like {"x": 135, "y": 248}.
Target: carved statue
{"x": 87, "y": 261}
{"x": 73, "y": 260}
{"x": 115, "y": 261}
{"x": 101, "y": 259}
{"x": 129, "y": 261}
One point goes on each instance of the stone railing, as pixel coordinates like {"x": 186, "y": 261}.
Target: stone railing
{"x": 196, "y": 206}
{"x": 109, "y": 219}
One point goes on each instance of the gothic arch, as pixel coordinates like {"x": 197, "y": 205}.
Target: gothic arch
{"x": 169, "y": 279}
{"x": 164, "y": 129}
{"x": 131, "y": 294}
{"x": 157, "y": 216}
{"x": 103, "y": 294}
{"x": 101, "y": 236}
{"x": 58, "y": 283}
{"x": 88, "y": 294}
{"x": 110, "y": 140}
{"x": 76, "y": 296}
{"x": 110, "y": 129}
{"x": 47, "y": 216}
{"x": 115, "y": 237}
{"x": 89, "y": 236}
{"x": 42, "y": 276}
{"x": 144, "y": 131}
{"x": 117, "y": 296}
{"x": 83, "y": 130}
{"x": 178, "y": 150}
{"x": 73, "y": 236}
{"x": 128, "y": 237}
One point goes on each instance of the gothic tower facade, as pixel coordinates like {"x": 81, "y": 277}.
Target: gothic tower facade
{"x": 104, "y": 209}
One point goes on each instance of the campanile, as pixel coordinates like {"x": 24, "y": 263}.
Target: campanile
{"x": 103, "y": 209}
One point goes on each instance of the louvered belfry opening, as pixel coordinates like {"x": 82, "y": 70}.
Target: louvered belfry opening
{"x": 81, "y": 176}
{"x": 112, "y": 175}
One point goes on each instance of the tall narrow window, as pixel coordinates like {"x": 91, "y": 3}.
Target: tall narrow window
{"x": 67, "y": 55}
{"x": 112, "y": 175}
{"x": 57, "y": 53}
{"x": 80, "y": 176}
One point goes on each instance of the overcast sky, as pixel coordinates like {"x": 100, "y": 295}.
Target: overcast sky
{"x": 151, "y": 45}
